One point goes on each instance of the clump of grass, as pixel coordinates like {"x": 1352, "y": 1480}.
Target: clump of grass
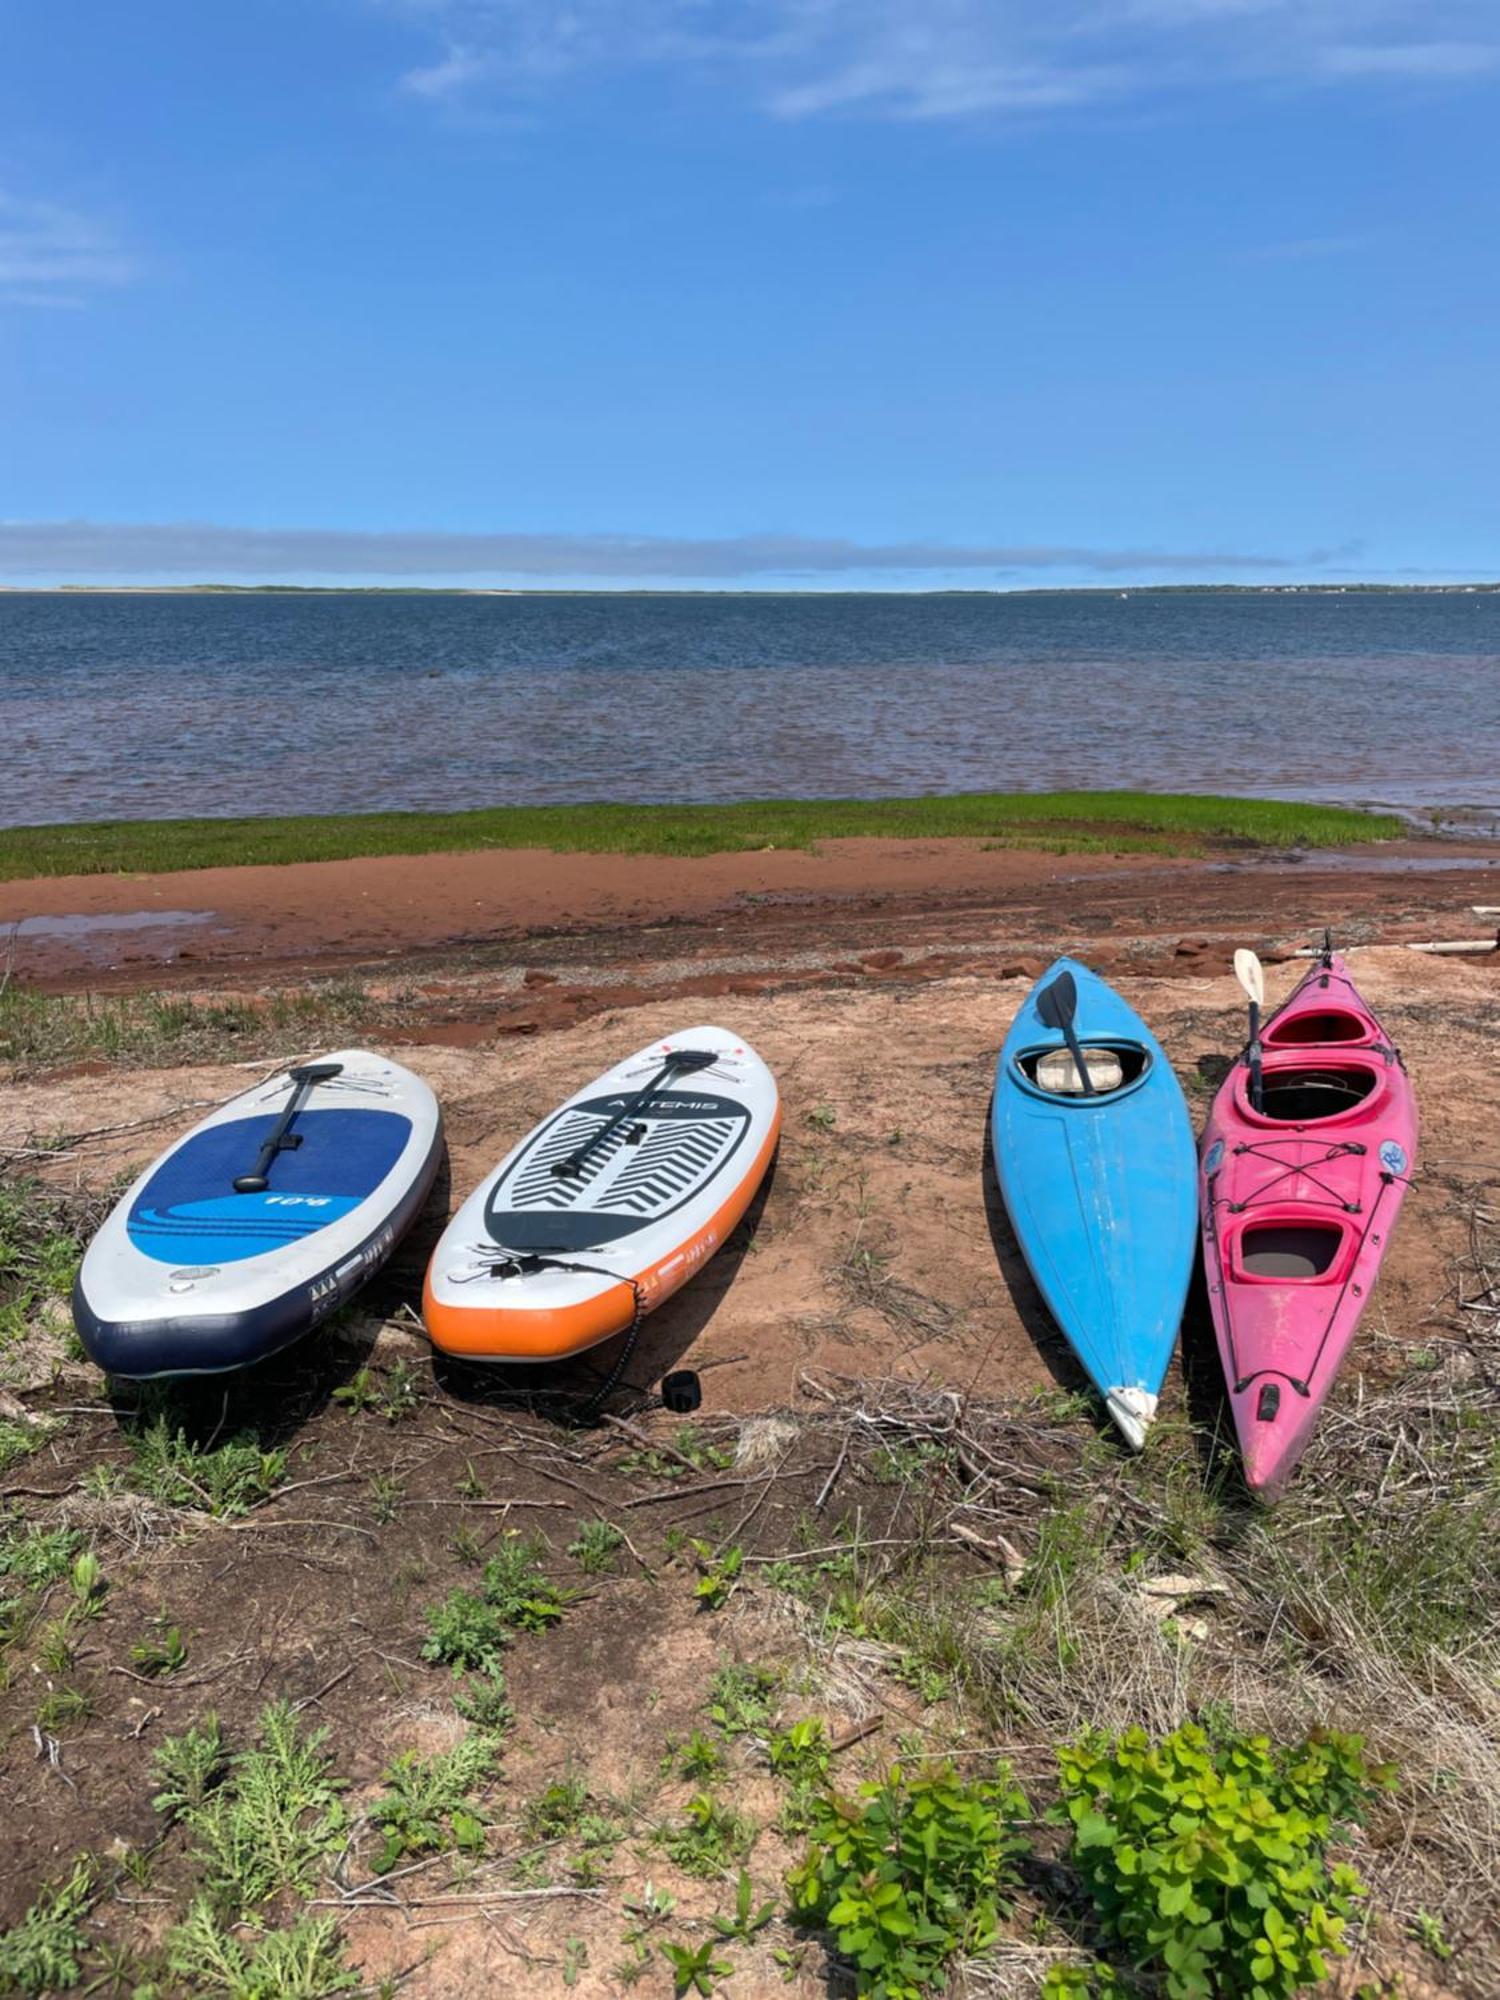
{"x": 556, "y": 1810}
{"x": 425, "y": 1808}
{"x": 225, "y": 1479}
{"x": 692, "y": 1452}
{"x": 153, "y": 1029}
{"x": 41, "y": 1241}
{"x": 164, "y": 1653}
{"x": 42, "y": 1953}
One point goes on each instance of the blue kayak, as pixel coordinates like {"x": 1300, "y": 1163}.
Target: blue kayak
{"x": 1101, "y": 1186}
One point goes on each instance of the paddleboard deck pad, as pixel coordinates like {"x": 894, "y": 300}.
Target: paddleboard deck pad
{"x": 262, "y": 1221}
{"x": 1100, "y": 1188}
{"x": 608, "y": 1206}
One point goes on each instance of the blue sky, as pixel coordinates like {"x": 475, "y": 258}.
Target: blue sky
{"x": 832, "y": 293}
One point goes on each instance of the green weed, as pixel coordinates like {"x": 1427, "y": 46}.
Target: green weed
{"x": 425, "y": 1808}
{"x": 719, "y": 1575}
{"x": 1207, "y": 1860}
{"x": 742, "y": 1699}
{"x": 695, "y": 1968}
{"x": 225, "y": 1480}
{"x": 471, "y": 1628}
{"x": 42, "y": 1953}
{"x": 265, "y": 1826}
{"x": 595, "y": 1546}
{"x": 302, "y": 1962}
{"x": 914, "y": 1872}
{"x": 747, "y": 1918}
{"x": 165, "y": 1654}
{"x": 707, "y": 1838}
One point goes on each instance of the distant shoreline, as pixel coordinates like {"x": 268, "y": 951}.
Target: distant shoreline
{"x": 530, "y": 590}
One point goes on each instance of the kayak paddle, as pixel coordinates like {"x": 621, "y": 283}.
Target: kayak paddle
{"x": 1251, "y": 975}
{"x": 1057, "y": 1004}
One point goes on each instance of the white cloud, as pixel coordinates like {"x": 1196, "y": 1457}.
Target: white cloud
{"x": 925, "y": 59}
{"x": 91, "y": 550}
{"x": 53, "y": 256}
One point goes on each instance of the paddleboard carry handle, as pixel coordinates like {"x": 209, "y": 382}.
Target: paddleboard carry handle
{"x": 281, "y": 1138}
{"x": 679, "y": 1063}
{"x": 1057, "y": 1004}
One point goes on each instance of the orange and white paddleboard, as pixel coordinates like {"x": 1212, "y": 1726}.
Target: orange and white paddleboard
{"x": 610, "y": 1205}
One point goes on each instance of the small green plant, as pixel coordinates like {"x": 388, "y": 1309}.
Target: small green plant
{"x": 1206, "y": 1857}
{"x": 595, "y": 1546}
{"x": 225, "y": 1479}
{"x": 41, "y": 1953}
{"x": 695, "y": 1969}
{"x": 464, "y": 1547}
{"x": 747, "y": 1919}
{"x": 1066, "y": 1981}
{"x": 557, "y": 1809}
{"x": 393, "y": 1396}
{"x": 360, "y": 1392}
{"x": 707, "y": 1838}
{"x": 62, "y": 1707}
{"x": 720, "y": 1575}
{"x": 651, "y": 1907}
{"x": 263, "y": 1820}
{"x": 472, "y": 1628}
{"x": 913, "y": 1872}
{"x": 87, "y": 1580}
{"x": 741, "y": 1699}
{"x": 386, "y": 1495}
{"x": 693, "y": 1454}
{"x": 699, "y": 1758}
{"x": 1428, "y": 1932}
{"x": 471, "y": 1486}
{"x": 187, "y": 1767}
{"x": 483, "y": 1700}
{"x": 425, "y": 1808}
{"x": 164, "y": 1654}
{"x": 302, "y": 1962}
{"x": 575, "y": 1958}
{"x": 822, "y": 1117}
{"x": 800, "y": 1754}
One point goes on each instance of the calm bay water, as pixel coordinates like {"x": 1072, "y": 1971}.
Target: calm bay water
{"x": 117, "y": 706}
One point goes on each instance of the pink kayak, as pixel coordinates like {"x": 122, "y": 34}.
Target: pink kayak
{"x": 1298, "y": 1200}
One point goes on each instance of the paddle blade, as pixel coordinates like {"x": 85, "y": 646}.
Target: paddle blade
{"x": 1058, "y": 1003}
{"x": 1249, "y": 971}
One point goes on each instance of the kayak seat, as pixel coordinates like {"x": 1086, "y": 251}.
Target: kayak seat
{"x": 1302, "y": 1096}
{"x": 1054, "y": 1070}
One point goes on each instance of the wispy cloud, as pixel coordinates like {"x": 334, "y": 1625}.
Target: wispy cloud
{"x": 53, "y": 256}
{"x": 1307, "y": 249}
{"x": 927, "y": 59}
{"x": 87, "y": 551}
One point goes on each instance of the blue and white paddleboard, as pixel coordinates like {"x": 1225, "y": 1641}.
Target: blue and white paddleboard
{"x": 262, "y": 1221}
{"x": 1101, "y": 1185}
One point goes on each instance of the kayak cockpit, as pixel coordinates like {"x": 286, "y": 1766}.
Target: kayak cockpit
{"x": 1113, "y": 1067}
{"x": 1320, "y": 1027}
{"x": 1302, "y": 1095}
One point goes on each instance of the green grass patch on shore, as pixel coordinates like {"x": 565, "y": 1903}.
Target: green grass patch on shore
{"x": 1180, "y": 823}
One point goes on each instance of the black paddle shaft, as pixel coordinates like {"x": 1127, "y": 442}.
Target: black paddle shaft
{"x": 1057, "y": 1004}
{"x": 281, "y": 1138}
{"x": 679, "y": 1063}
{"x": 1257, "y": 1092}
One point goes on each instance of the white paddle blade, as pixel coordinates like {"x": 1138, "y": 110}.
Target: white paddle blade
{"x": 1249, "y": 971}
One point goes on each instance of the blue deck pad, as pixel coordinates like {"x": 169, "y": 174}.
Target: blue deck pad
{"x": 188, "y": 1212}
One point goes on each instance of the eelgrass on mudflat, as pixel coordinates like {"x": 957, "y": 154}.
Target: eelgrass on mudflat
{"x": 1175, "y": 822}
